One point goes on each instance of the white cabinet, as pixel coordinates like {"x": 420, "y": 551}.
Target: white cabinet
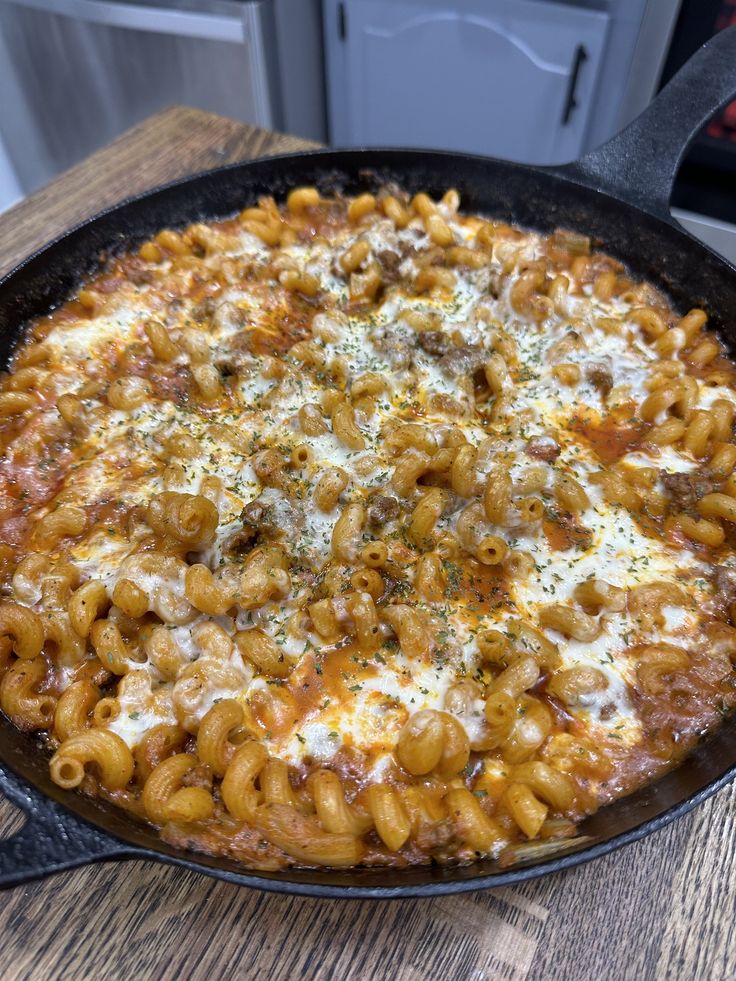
{"x": 508, "y": 78}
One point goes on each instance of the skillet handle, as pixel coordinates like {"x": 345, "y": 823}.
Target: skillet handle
{"x": 51, "y": 840}
{"x": 640, "y": 163}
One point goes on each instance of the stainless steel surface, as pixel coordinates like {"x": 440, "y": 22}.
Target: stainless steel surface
{"x": 76, "y": 73}
{"x": 165, "y": 17}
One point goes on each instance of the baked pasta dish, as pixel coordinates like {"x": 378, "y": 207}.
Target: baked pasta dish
{"x": 363, "y": 531}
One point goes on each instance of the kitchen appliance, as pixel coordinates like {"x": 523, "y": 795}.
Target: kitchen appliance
{"x": 618, "y": 194}
{"x": 74, "y": 74}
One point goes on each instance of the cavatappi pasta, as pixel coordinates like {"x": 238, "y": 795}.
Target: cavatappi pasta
{"x": 363, "y": 531}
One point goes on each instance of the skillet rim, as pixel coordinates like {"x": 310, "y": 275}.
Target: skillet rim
{"x": 568, "y": 174}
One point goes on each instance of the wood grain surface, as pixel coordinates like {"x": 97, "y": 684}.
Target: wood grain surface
{"x": 663, "y": 908}
{"x": 172, "y": 144}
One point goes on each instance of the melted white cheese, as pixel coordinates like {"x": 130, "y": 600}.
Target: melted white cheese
{"x": 124, "y": 452}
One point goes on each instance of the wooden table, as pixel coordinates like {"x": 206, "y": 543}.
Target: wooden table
{"x": 662, "y": 908}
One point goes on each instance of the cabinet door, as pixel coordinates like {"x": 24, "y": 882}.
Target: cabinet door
{"x": 508, "y": 78}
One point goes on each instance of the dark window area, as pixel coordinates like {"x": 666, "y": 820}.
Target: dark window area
{"x": 707, "y": 180}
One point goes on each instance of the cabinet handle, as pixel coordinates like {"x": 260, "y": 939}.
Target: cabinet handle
{"x": 579, "y": 58}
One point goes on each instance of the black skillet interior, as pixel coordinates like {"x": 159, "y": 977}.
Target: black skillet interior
{"x": 619, "y": 196}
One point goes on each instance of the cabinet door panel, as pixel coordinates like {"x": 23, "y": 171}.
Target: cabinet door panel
{"x": 489, "y": 77}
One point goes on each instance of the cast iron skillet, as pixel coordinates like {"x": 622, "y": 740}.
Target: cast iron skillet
{"x": 619, "y": 194}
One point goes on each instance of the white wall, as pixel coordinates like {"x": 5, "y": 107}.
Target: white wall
{"x": 645, "y": 71}
{"x": 301, "y": 67}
